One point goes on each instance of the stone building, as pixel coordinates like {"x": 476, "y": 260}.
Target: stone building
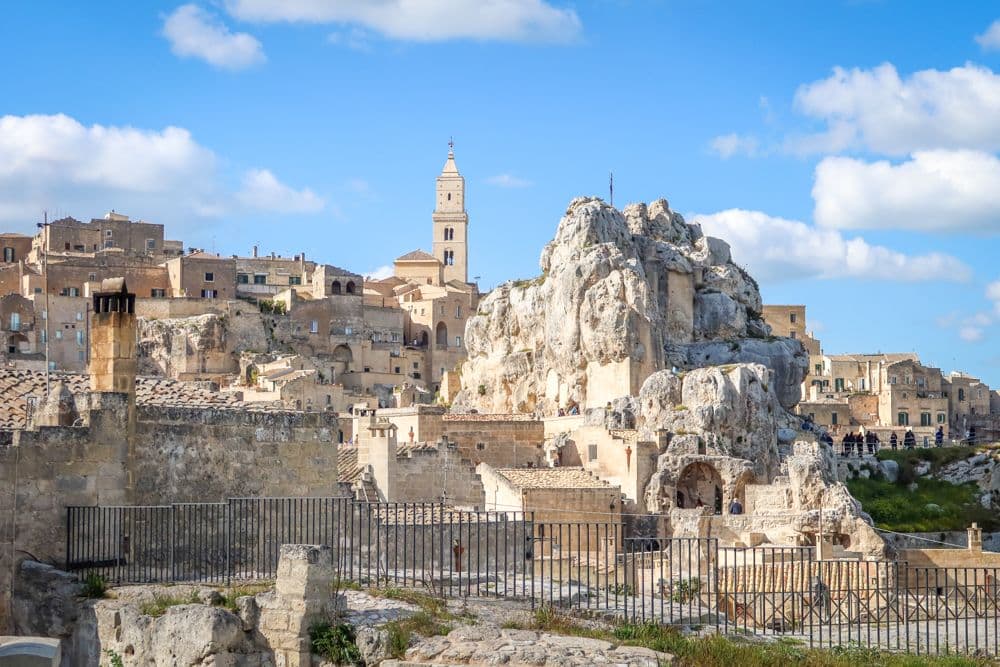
{"x": 791, "y": 321}
{"x": 891, "y": 393}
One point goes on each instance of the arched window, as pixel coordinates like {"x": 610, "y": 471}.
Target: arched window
{"x": 961, "y": 394}
{"x": 449, "y": 196}
{"x": 335, "y": 287}
{"x": 441, "y": 334}
{"x": 350, "y": 287}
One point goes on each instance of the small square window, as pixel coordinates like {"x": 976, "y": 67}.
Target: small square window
{"x": 242, "y": 279}
{"x": 108, "y": 233}
{"x": 58, "y": 334}
{"x": 209, "y": 277}
{"x": 150, "y": 244}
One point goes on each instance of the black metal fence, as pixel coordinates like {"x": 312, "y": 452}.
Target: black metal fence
{"x": 766, "y": 590}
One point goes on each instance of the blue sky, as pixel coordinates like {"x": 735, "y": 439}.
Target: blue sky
{"x": 847, "y": 150}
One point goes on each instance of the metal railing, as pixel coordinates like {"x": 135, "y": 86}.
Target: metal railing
{"x": 763, "y": 590}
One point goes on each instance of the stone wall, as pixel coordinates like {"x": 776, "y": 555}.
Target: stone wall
{"x": 436, "y": 474}
{"x": 177, "y": 455}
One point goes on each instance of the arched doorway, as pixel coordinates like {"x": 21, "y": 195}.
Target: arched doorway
{"x": 441, "y": 335}
{"x": 424, "y": 338}
{"x": 342, "y": 358}
{"x": 350, "y": 287}
{"x": 699, "y": 485}
{"x": 335, "y": 287}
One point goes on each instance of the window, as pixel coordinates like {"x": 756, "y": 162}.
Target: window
{"x": 792, "y": 318}
{"x": 109, "y": 244}
{"x": 329, "y": 399}
{"x": 314, "y": 327}
{"x": 209, "y": 277}
{"x": 961, "y": 394}
{"x": 449, "y": 257}
{"x": 79, "y": 316}
{"x": 480, "y": 446}
{"x": 458, "y": 312}
{"x": 458, "y": 341}
{"x": 833, "y": 418}
{"x": 294, "y": 280}
{"x": 150, "y": 244}
{"x": 892, "y": 379}
{"x": 818, "y": 369}
{"x": 8, "y": 254}
{"x": 941, "y": 417}
{"x": 260, "y": 279}
{"x": 73, "y": 291}
{"x": 348, "y": 331}
{"x": 208, "y": 293}
{"x": 92, "y": 277}
{"x": 79, "y": 248}
{"x": 903, "y": 419}
{"x": 396, "y": 370}
{"x": 45, "y": 314}
{"x": 591, "y": 452}
{"x": 791, "y": 334}
{"x": 242, "y": 279}
{"x": 81, "y": 355}
{"x": 45, "y": 336}
{"x": 58, "y": 334}
{"x": 79, "y": 337}
{"x": 925, "y": 419}
{"x": 157, "y": 293}
{"x": 15, "y": 321}
{"x": 108, "y": 233}
{"x": 838, "y": 384}
{"x": 415, "y": 365}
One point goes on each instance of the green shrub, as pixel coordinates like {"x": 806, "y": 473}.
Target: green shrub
{"x": 481, "y": 389}
{"x": 335, "y": 643}
{"x": 685, "y": 590}
{"x": 160, "y": 603}
{"x": 94, "y": 586}
{"x": 401, "y": 632}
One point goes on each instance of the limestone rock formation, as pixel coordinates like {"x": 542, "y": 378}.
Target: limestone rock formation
{"x": 622, "y": 294}
{"x": 173, "y": 347}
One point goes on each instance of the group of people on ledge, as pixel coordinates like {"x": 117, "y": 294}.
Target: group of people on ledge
{"x": 856, "y": 444}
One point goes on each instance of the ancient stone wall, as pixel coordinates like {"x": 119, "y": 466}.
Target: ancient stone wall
{"x": 433, "y": 475}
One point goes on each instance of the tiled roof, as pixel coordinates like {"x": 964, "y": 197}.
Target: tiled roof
{"x": 552, "y": 478}
{"x": 417, "y": 256}
{"x": 16, "y": 386}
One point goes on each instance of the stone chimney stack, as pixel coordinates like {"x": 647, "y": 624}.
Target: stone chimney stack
{"x": 255, "y": 251}
{"x": 381, "y": 445}
{"x": 112, "y": 340}
{"x": 975, "y": 538}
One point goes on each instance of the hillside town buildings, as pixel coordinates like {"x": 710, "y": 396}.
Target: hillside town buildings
{"x": 886, "y": 393}
{"x": 240, "y": 320}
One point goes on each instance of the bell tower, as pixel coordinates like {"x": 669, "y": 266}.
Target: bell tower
{"x": 451, "y": 222}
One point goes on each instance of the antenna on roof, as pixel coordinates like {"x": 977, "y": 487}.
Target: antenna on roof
{"x": 611, "y": 187}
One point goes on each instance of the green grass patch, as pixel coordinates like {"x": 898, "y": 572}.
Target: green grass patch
{"x": 401, "y": 632}
{"x": 715, "y": 650}
{"x": 94, "y": 586}
{"x": 160, "y": 603}
{"x": 335, "y": 643}
{"x": 230, "y": 595}
{"x": 434, "y": 607}
{"x": 935, "y": 505}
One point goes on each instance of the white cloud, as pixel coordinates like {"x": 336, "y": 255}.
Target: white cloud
{"x": 57, "y": 163}
{"x": 425, "y": 20}
{"x": 776, "y": 249}
{"x": 195, "y": 33}
{"x": 352, "y": 37}
{"x": 381, "y": 273}
{"x": 971, "y": 334}
{"x": 937, "y": 190}
{"x": 728, "y": 145}
{"x": 990, "y": 40}
{"x": 877, "y": 110}
{"x": 508, "y": 181}
{"x": 262, "y": 191}
{"x": 993, "y": 294}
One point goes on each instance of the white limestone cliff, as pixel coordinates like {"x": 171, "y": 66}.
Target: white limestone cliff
{"x": 622, "y": 295}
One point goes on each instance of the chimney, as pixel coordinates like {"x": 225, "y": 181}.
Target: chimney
{"x": 255, "y": 251}
{"x": 975, "y": 538}
{"x": 112, "y": 339}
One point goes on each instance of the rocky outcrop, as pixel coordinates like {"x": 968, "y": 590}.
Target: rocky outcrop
{"x": 622, "y": 294}
{"x": 174, "y": 347}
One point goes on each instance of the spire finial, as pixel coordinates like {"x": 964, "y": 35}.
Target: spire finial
{"x": 451, "y": 146}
